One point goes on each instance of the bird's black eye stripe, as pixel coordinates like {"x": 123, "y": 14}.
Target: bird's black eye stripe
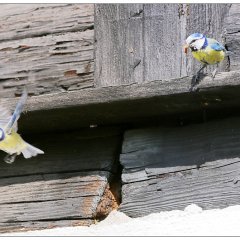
{"x": 194, "y": 40}
{"x": 194, "y": 49}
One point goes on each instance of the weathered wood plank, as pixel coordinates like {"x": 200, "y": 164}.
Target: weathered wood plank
{"x": 163, "y": 39}
{"x": 150, "y": 38}
{"x": 232, "y": 35}
{"x": 70, "y": 152}
{"x": 47, "y": 47}
{"x": 20, "y": 21}
{"x": 170, "y": 168}
{"x": 120, "y": 104}
{"x": 119, "y": 46}
{"x": 36, "y": 225}
{"x": 53, "y": 198}
{"x": 52, "y": 187}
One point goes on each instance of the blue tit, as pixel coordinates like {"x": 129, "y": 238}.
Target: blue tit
{"x": 10, "y": 141}
{"x": 206, "y": 50}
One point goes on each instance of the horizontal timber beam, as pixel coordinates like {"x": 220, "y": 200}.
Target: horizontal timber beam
{"x": 127, "y": 103}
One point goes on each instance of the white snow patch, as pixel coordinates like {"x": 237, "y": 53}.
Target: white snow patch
{"x": 193, "y": 221}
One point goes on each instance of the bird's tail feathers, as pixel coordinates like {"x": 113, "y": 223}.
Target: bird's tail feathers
{"x": 31, "y": 151}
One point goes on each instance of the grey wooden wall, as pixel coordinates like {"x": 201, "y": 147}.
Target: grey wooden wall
{"x": 232, "y": 28}
{"x": 49, "y": 47}
{"x": 167, "y": 168}
{"x": 170, "y": 168}
{"x": 143, "y": 42}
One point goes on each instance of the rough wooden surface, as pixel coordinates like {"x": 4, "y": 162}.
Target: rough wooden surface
{"x": 63, "y": 187}
{"x": 75, "y": 197}
{"x": 232, "y": 35}
{"x": 66, "y": 152}
{"x": 143, "y": 42}
{"x": 36, "y": 225}
{"x": 119, "y": 46}
{"x": 170, "y": 168}
{"x": 49, "y": 47}
{"x": 128, "y": 103}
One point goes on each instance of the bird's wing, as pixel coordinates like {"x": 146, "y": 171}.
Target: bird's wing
{"x": 215, "y": 45}
{"x": 12, "y": 123}
{"x": 5, "y": 116}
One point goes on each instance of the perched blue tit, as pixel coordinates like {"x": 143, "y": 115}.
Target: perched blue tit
{"x": 10, "y": 141}
{"x": 206, "y": 50}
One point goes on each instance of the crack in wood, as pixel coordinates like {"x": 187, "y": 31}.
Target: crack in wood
{"x": 48, "y": 220}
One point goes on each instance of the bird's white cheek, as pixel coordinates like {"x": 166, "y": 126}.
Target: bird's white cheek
{"x": 199, "y": 43}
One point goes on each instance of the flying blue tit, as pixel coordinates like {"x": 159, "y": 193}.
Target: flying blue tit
{"x": 206, "y": 50}
{"x": 10, "y": 141}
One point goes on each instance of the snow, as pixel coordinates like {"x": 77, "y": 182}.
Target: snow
{"x": 192, "y": 221}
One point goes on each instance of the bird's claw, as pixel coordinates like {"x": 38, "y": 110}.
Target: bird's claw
{"x": 194, "y": 88}
{"x": 195, "y": 81}
{"x": 10, "y": 158}
{"x": 214, "y": 73}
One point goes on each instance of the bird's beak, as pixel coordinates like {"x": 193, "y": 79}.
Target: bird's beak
{"x": 185, "y": 48}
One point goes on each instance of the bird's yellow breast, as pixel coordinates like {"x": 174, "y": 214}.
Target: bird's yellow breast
{"x": 209, "y": 56}
{"x": 12, "y": 143}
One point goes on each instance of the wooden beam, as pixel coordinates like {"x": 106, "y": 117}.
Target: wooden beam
{"x": 170, "y": 168}
{"x": 127, "y": 103}
{"x": 49, "y": 48}
{"x": 232, "y": 36}
{"x": 130, "y": 92}
{"x": 50, "y": 200}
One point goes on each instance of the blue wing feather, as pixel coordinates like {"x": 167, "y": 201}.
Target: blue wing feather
{"x": 13, "y": 120}
{"x": 217, "y": 46}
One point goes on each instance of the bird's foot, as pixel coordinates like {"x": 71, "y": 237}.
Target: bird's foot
{"x": 195, "y": 81}
{"x": 194, "y": 88}
{"x": 10, "y": 158}
{"x": 214, "y": 74}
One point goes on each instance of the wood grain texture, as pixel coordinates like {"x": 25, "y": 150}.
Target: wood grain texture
{"x": 162, "y": 41}
{"x": 29, "y": 200}
{"x": 69, "y": 152}
{"x": 150, "y": 38}
{"x": 170, "y": 168}
{"x": 37, "y": 225}
{"x": 48, "y": 47}
{"x": 119, "y": 44}
{"x": 232, "y": 35}
{"x": 63, "y": 187}
{"x": 120, "y": 104}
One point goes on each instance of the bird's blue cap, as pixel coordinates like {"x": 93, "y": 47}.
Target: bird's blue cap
{"x": 194, "y": 36}
{"x": 197, "y": 35}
